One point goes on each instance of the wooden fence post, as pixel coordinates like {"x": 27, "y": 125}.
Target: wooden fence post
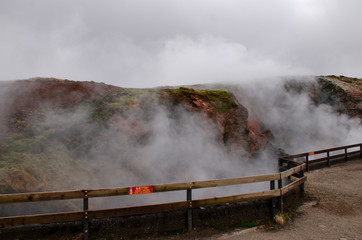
{"x": 280, "y": 198}
{"x": 85, "y": 222}
{"x": 302, "y": 185}
{"x": 280, "y": 162}
{"x": 272, "y": 201}
{"x": 189, "y": 210}
{"x": 328, "y": 159}
{"x": 289, "y": 167}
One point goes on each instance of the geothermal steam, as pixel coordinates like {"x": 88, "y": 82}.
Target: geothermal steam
{"x": 296, "y": 122}
{"x": 140, "y": 148}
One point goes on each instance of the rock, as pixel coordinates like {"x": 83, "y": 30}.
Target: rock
{"x": 280, "y": 219}
{"x": 222, "y": 108}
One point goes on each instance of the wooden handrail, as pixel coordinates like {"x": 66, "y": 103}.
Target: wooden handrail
{"x": 76, "y": 216}
{"x": 66, "y": 195}
{"x": 320, "y": 151}
{"x": 290, "y": 159}
{"x": 292, "y": 171}
{"x": 293, "y": 185}
{"x": 128, "y": 211}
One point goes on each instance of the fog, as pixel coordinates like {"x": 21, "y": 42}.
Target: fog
{"x": 135, "y": 148}
{"x": 148, "y": 44}
{"x": 297, "y": 123}
{"x": 131, "y": 150}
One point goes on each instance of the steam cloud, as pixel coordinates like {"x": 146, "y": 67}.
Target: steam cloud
{"x": 298, "y": 124}
{"x": 186, "y": 148}
{"x": 154, "y": 147}
{"x": 134, "y": 149}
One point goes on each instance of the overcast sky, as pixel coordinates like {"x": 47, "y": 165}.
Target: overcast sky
{"x": 145, "y": 43}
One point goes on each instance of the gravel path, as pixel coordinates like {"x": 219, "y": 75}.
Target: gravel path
{"x": 333, "y": 212}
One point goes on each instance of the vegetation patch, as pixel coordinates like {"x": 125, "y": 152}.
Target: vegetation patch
{"x": 221, "y": 101}
{"x": 216, "y": 227}
{"x": 123, "y": 101}
{"x": 332, "y": 88}
{"x": 247, "y": 224}
{"x": 356, "y": 81}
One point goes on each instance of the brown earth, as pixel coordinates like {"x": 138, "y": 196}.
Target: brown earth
{"x": 26, "y": 98}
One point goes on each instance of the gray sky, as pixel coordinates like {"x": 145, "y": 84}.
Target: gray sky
{"x": 145, "y": 43}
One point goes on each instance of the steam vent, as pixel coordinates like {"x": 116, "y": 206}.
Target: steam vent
{"x": 60, "y": 134}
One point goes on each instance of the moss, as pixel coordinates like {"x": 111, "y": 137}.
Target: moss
{"x": 23, "y": 145}
{"x": 217, "y": 227}
{"x": 104, "y": 107}
{"x": 332, "y": 88}
{"x": 12, "y": 157}
{"x": 15, "y": 136}
{"x": 221, "y": 101}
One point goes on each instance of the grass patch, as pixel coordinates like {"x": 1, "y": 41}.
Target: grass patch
{"x": 290, "y": 213}
{"x": 121, "y": 102}
{"x": 22, "y": 145}
{"x": 247, "y": 224}
{"x": 270, "y": 224}
{"x": 216, "y": 227}
{"x": 221, "y": 101}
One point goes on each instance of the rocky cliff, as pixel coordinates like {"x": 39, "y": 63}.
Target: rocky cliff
{"x": 344, "y": 94}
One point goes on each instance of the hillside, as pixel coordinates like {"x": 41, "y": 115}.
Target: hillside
{"x": 60, "y": 134}
{"x": 342, "y": 93}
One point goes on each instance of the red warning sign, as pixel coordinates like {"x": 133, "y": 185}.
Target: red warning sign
{"x": 311, "y": 153}
{"x": 140, "y": 190}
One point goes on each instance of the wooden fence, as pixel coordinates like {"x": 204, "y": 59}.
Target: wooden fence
{"x": 290, "y": 163}
{"x": 317, "y": 157}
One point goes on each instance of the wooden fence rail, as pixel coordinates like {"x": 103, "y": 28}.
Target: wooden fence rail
{"x": 286, "y": 161}
{"x": 292, "y": 164}
{"x": 92, "y": 193}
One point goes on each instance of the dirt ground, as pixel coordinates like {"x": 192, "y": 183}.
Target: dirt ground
{"x": 333, "y": 210}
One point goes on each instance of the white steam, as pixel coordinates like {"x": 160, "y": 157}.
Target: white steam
{"x": 297, "y": 124}
{"x": 177, "y": 147}
{"x": 146, "y": 147}
{"x": 186, "y": 148}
